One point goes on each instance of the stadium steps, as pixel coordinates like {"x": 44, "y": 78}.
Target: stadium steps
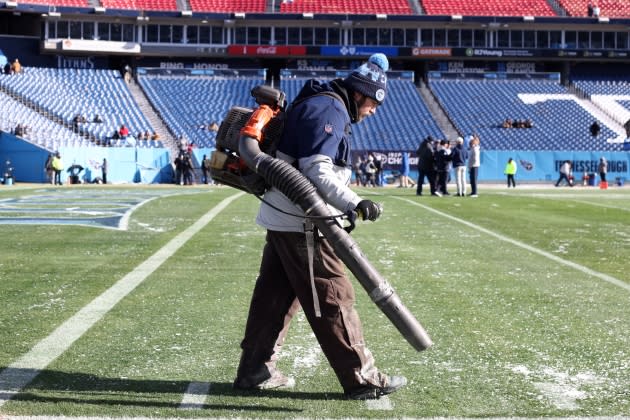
{"x": 154, "y": 119}
{"x": 606, "y": 110}
{"x": 183, "y": 5}
{"x": 438, "y": 113}
{"x": 557, "y": 7}
{"x": 416, "y": 7}
{"x": 602, "y": 116}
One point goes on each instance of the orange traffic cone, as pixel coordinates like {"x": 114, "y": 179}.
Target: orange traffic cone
{"x": 603, "y": 185}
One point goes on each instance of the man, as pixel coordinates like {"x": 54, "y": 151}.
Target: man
{"x": 316, "y": 140}
{"x": 426, "y": 166}
{"x": 443, "y": 160}
{"x": 459, "y": 159}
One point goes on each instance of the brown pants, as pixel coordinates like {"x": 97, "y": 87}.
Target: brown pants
{"x": 284, "y": 284}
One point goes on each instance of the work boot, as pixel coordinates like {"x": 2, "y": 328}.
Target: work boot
{"x": 264, "y": 378}
{"x": 372, "y": 392}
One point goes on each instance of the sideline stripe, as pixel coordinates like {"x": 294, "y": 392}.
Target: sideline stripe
{"x": 610, "y": 279}
{"x": 345, "y": 418}
{"x": 21, "y": 372}
{"x": 195, "y": 396}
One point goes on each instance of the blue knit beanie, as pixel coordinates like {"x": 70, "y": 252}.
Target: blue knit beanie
{"x": 370, "y": 79}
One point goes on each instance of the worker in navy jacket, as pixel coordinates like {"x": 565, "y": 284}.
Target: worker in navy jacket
{"x": 316, "y": 140}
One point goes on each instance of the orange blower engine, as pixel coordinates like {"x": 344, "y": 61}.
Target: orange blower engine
{"x": 265, "y": 124}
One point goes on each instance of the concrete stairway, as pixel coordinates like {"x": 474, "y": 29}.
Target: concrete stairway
{"x": 153, "y": 117}
{"x": 438, "y": 113}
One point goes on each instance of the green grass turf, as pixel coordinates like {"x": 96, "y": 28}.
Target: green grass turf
{"x": 518, "y": 331}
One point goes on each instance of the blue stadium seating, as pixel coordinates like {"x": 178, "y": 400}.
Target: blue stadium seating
{"x": 189, "y": 104}
{"x": 480, "y": 106}
{"x": 40, "y": 130}
{"x": 64, "y": 93}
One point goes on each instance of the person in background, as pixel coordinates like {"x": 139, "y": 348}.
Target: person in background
{"x": 57, "y": 165}
{"x": 404, "y": 171}
{"x": 510, "y": 171}
{"x": 104, "y": 169}
{"x": 16, "y": 67}
{"x": 370, "y": 172}
{"x": 566, "y": 174}
{"x": 426, "y": 166}
{"x": 443, "y": 166}
{"x": 602, "y": 168}
{"x": 473, "y": 164}
{"x": 205, "y": 169}
{"x": 459, "y": 159}
{"x": 50, "y": 172}
{"x": 378, "y": 162}
{"x": 316, "y": 140}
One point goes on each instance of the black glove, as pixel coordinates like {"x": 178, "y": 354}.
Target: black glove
{"x": 368, "y": 210}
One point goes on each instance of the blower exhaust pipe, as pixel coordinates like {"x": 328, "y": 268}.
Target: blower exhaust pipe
{"x": 302, "y": 192}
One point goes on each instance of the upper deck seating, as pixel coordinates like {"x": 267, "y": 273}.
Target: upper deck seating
{"x": 392, "y": 7}
{"x": 229, "y": 6}
{"x": 609, "y": 8}
{"x": 560, "y": 122}
{"x": 166, "y": 5}
{"x": 488, "y": 7}
{"x": 58, "y": 3}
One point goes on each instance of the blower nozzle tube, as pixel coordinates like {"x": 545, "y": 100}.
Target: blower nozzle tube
{"x": 302, "y": 192}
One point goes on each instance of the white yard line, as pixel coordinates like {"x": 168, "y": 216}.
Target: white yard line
{"x": 610, "y": 279}
{"x": 195, "y": 396}
{"x": 383, "y": 403}
{"x": 20, "y": 373}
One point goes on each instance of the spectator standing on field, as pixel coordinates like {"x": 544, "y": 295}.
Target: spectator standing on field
{"x": 57, "y": 165}
{"x": 443, "y": 160}
{"x": 566, "y": 174}
{"x": 104, "y": 169}
{"x": 473, "y": 164}
{"x": 50, "y": 172}
{"x": 205, "y": 169}
{"x": 459, "y": 159}
{"x": 426, "y": 166}
{"x": 510, "y": 172}
{"x": 602, "y": 168}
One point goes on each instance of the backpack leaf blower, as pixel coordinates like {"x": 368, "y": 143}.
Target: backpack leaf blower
{"x": 245, "y": 145}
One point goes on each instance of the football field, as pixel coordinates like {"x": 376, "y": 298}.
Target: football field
{"x": 130, "y": 302}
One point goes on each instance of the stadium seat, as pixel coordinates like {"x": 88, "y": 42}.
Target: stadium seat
{"x": 392, "y": 7}
{"x": 560, "y": 123}
{"x": 229, "y": 6}
{"x": 488, "y": 7}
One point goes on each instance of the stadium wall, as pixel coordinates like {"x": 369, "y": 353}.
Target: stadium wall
{"x": 126, "y": 164}
{"x": 533, "y": 166}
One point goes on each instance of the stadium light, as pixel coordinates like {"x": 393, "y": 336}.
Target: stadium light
{"x": 457, "y": 18}
{"x": 100, "y": 10}
{"x": 54, "y": 14}
{"x": 381, "y": 16}
{"x": 603, "y": 20}
{"x": 239, "y": 15}
{"x": 528, "y": 18}
{"x": 186, "y": 13}
{"x": 11, "y": 4}
{"x": 307, "y": 15}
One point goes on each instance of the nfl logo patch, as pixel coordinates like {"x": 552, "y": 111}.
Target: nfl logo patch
{"x": 328, "y": 128}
